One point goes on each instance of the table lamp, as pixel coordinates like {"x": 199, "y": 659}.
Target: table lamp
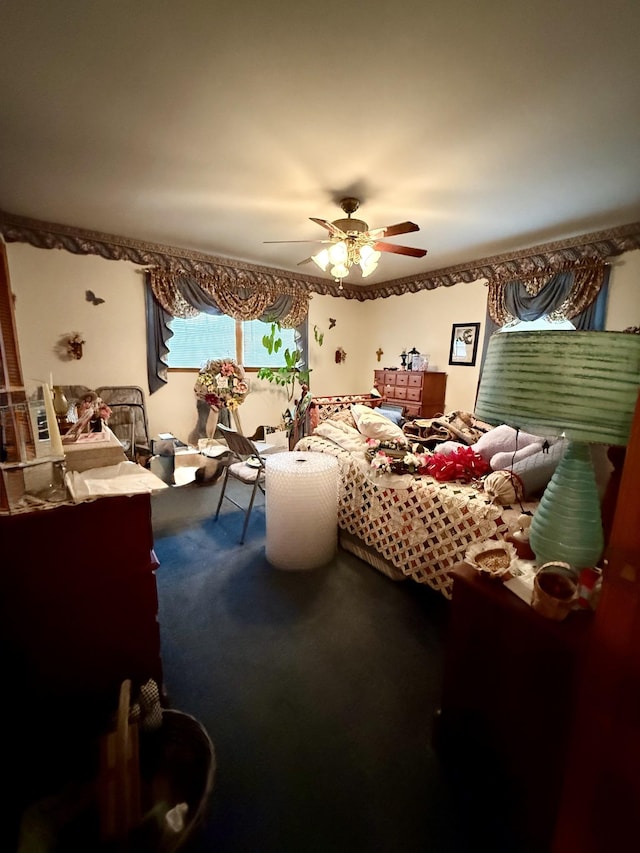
{"x": 582, "y": 385}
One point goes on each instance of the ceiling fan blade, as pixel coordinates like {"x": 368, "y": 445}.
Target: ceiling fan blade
{"x": 306, "y": 261}
{"x": 399, "y": 228}
{"x": 331, "y": 228}
{"x": 400, "y": 250}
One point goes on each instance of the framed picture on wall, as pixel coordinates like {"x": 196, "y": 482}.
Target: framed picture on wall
{"x": 464, "y": 343}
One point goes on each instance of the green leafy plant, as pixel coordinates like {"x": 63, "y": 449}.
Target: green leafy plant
{"x": 287, "y": 375}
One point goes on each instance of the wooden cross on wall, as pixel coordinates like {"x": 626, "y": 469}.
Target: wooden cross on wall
{"x": 379, "y": 353}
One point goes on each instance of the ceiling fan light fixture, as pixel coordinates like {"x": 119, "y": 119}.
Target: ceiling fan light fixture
{"x": 351, "y": 242}
{"x": 338, "y": 253}
{"x": 321, "y": 259}
{"x": 369, "y": 258}
{"x": 340, "y": 271}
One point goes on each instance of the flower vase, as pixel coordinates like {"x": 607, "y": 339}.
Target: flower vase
{"x": 60, "y": 405}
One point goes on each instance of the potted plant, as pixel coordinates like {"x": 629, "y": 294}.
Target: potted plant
{"x": 287, "y": 375}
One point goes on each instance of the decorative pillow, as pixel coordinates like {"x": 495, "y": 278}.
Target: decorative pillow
{"x": 509, "y": 457}
{"x": 347, "y": 437}
{"x": 345, "y": 416}
{"x": 394, "y": 414}
{"x": 447, "y": 446}
{"x": 503, "y": 438}
{"x": 374, "y": 425}
{"x": 504, "y": 487}
{"x": 535, "y": 471}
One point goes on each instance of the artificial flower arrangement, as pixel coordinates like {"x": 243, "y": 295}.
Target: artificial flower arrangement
{"x": 222, "y": 384}
{"x": 397, "y": 457}
{"x": 89, "y": 414}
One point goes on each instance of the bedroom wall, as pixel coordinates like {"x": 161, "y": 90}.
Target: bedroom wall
{"x": 50, "y": 287}
{"x": 423, "y": 320}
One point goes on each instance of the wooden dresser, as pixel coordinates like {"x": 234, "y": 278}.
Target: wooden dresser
{"x": 78, "y": 615}
{"x": 421, "y": 393}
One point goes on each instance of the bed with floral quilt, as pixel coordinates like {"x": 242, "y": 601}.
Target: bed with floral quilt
{"x": 411, "y": 512}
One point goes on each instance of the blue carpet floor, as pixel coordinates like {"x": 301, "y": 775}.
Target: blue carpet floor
{"x": 318, "y": 689}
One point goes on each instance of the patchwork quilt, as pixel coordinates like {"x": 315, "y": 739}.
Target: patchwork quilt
{"x": 419, "y": 526}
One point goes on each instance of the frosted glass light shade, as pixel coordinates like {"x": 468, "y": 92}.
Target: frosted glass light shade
{"x": 321, "y": 259}
{"x": 338, "y": 253}
{"x": 339, "y": 271}
{"x": 582, "y": 384}
{"x": 369, "y": 258}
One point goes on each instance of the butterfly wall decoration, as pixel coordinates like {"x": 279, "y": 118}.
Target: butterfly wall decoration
{"x": 92, "y": 298}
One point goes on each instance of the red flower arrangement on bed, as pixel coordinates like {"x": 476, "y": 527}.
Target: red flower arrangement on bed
{"x": 393, "y": 457}
{"x": 463, "y": 463}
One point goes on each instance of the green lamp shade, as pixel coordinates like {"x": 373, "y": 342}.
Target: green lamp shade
{"x": 580, "y": 384}
{"x": 583, "y": 385}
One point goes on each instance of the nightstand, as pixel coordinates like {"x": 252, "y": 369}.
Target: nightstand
{"x": 508, "y": 702}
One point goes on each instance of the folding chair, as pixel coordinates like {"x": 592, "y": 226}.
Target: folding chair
{"x": 249, "y": 469}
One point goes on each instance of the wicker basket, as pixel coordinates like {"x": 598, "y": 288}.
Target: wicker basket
{"x": 555, "y": 590}
{"x": 177, "y": 765}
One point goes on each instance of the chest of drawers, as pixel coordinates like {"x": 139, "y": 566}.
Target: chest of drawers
{"x": 420, "y": 393}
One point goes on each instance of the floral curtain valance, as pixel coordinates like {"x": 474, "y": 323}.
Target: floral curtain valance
{"x": 578, "y": 294}
{"x": 186, "y": 294}
{"x": 181, "y": 294}
{"x": 564, "y": 294}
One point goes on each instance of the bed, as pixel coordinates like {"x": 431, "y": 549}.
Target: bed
{"x": 405, "y": 526}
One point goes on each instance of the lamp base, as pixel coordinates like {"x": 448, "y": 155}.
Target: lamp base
{"x": 567, "y": 524}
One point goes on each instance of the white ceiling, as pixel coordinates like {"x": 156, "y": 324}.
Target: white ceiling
{"x": 217, "y": 126}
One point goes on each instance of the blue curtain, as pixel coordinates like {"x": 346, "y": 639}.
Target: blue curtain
{"x": 525, "y": 306}
{"x": 159, "y": 331}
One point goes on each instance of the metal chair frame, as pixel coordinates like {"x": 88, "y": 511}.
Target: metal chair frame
{"x": 243, "y": 448}
{"x": 129, "y": 411}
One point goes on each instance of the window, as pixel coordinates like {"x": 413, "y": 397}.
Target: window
{"x": 207, "y": 336}
{"x": 541, "y": 323}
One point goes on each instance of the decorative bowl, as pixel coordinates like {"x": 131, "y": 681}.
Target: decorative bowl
{"x": 494, "y": 558}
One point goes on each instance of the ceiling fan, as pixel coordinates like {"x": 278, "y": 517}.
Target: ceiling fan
{"x": 352, "y": 242}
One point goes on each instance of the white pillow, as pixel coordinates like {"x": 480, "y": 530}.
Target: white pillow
{"x": 536, "y": 470}
{"x": 374, "y": 425}
{"x": 448, "y": 446}
{"x": 508, "y": 458}
{"x": 503, "y": 439}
